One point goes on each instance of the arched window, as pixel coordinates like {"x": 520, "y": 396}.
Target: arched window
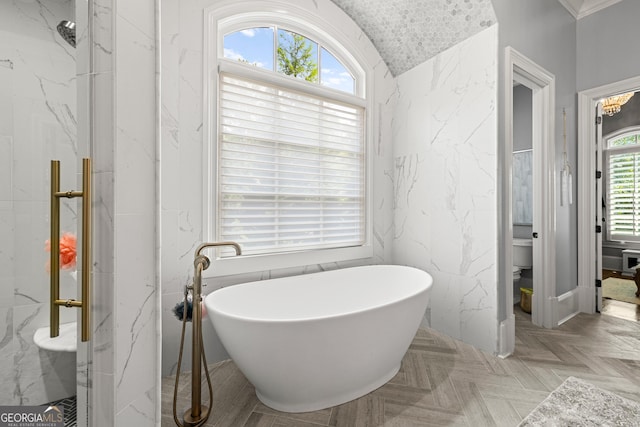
{"x": 622, "y": 160}
{"x": 289, "y": 145}
{"x": 277, "y": 49}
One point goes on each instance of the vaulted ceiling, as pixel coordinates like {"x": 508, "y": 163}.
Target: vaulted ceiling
{"x": 408, "y": 32}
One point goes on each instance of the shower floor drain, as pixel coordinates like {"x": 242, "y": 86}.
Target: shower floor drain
{"x": 69, "y": 406}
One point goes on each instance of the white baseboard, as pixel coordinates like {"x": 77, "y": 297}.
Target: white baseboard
{"x": 587, "y": 299}
{"x": 507, "y": 336}
{"x": 566, "y": 306}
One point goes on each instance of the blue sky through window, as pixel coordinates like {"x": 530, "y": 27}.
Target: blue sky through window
{"x": 333, "y": 74}
{"x": 255, "y": 46}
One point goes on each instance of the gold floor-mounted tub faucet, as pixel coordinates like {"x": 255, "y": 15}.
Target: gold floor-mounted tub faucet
{"x": 198, "y": 414}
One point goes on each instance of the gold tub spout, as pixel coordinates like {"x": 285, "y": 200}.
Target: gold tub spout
{"x": 203, "y": 246}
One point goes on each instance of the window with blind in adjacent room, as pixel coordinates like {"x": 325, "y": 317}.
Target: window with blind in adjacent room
{"x": 622, "y": 160}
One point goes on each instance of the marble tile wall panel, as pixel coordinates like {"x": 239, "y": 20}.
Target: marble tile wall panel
{"x": 182, "y": 151}
{"x": 136, "y": 286}
{"x": 445, "y": 213}
{"x": 102, "y": 369}
{"x": 122, "y": 375}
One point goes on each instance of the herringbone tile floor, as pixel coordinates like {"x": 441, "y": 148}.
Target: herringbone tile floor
{"x": 445, "y": 382}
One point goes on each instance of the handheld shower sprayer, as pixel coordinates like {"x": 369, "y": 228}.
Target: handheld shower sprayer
{"x": 198, "y": 414}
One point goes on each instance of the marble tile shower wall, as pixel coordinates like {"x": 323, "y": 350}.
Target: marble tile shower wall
{"x": 37, "y": 123}
{"x": 123, "y": 390}
{"x": 182, "y": 150}
{"x": 445, "y": 177}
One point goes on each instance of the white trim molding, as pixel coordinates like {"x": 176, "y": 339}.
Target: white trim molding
{"x": 581, "y": 8}
{"x": 566, "y": 306}
{"x": 507, "y": 336}
{"x": 521, "y": 69}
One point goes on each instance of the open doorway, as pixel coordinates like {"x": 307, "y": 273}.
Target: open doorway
{"x": 593, "y": 201}
{"x": 522, "y": 178}
{"x": 522, "y": 72}
{"x": 617, "y": 132}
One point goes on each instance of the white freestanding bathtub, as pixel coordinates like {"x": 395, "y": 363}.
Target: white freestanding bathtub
{"x": 318, "y": 340}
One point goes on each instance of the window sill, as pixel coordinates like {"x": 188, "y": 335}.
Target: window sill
{"x": 255, "y": 263}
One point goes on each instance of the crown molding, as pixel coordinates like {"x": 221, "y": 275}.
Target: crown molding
{"x": 573, "y": 6}
{"x": 581, "y": 8}
{"x": 593, "y": 6}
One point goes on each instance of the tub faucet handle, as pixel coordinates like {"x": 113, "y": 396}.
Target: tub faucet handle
{"x": 203, "y": 260}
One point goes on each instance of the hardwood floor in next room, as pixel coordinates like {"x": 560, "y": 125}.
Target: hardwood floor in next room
{"x": 446, "y": 382}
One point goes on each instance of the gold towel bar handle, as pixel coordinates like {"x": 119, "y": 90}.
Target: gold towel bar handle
{"x": 85, "y": 302}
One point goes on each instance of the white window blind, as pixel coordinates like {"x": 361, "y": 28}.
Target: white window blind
{"x": 290, "y": 169}
{"x": 624, "y": 196}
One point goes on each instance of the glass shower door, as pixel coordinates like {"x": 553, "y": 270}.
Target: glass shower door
{"x": 38, "y": 123}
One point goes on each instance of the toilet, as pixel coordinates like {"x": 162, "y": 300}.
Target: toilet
{"x": 516, "y": 275}
{"x": 522, "y": 260}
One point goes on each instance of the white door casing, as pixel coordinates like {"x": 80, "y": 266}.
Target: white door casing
{"x": 587, "y": 193}
{"x": 599, "y": 214}
{"x": 522, "y": 70}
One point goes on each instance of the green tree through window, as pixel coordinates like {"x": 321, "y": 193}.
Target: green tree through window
{"x": 296, "y": 56}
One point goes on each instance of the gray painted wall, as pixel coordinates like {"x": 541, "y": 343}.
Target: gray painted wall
{"x": 545, "y": 32}
{"x": 603, "y": 56}
{"x": 595, "y": 55}
{"x": 522, "y": 136}
{"x": 522, "y": 99}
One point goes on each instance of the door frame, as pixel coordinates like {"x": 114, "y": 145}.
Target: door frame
{"x": 521, "y": 69}
{"x": 587, "y": 258}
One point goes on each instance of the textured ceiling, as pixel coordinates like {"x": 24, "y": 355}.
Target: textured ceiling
{"x": 408, "y": 32}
